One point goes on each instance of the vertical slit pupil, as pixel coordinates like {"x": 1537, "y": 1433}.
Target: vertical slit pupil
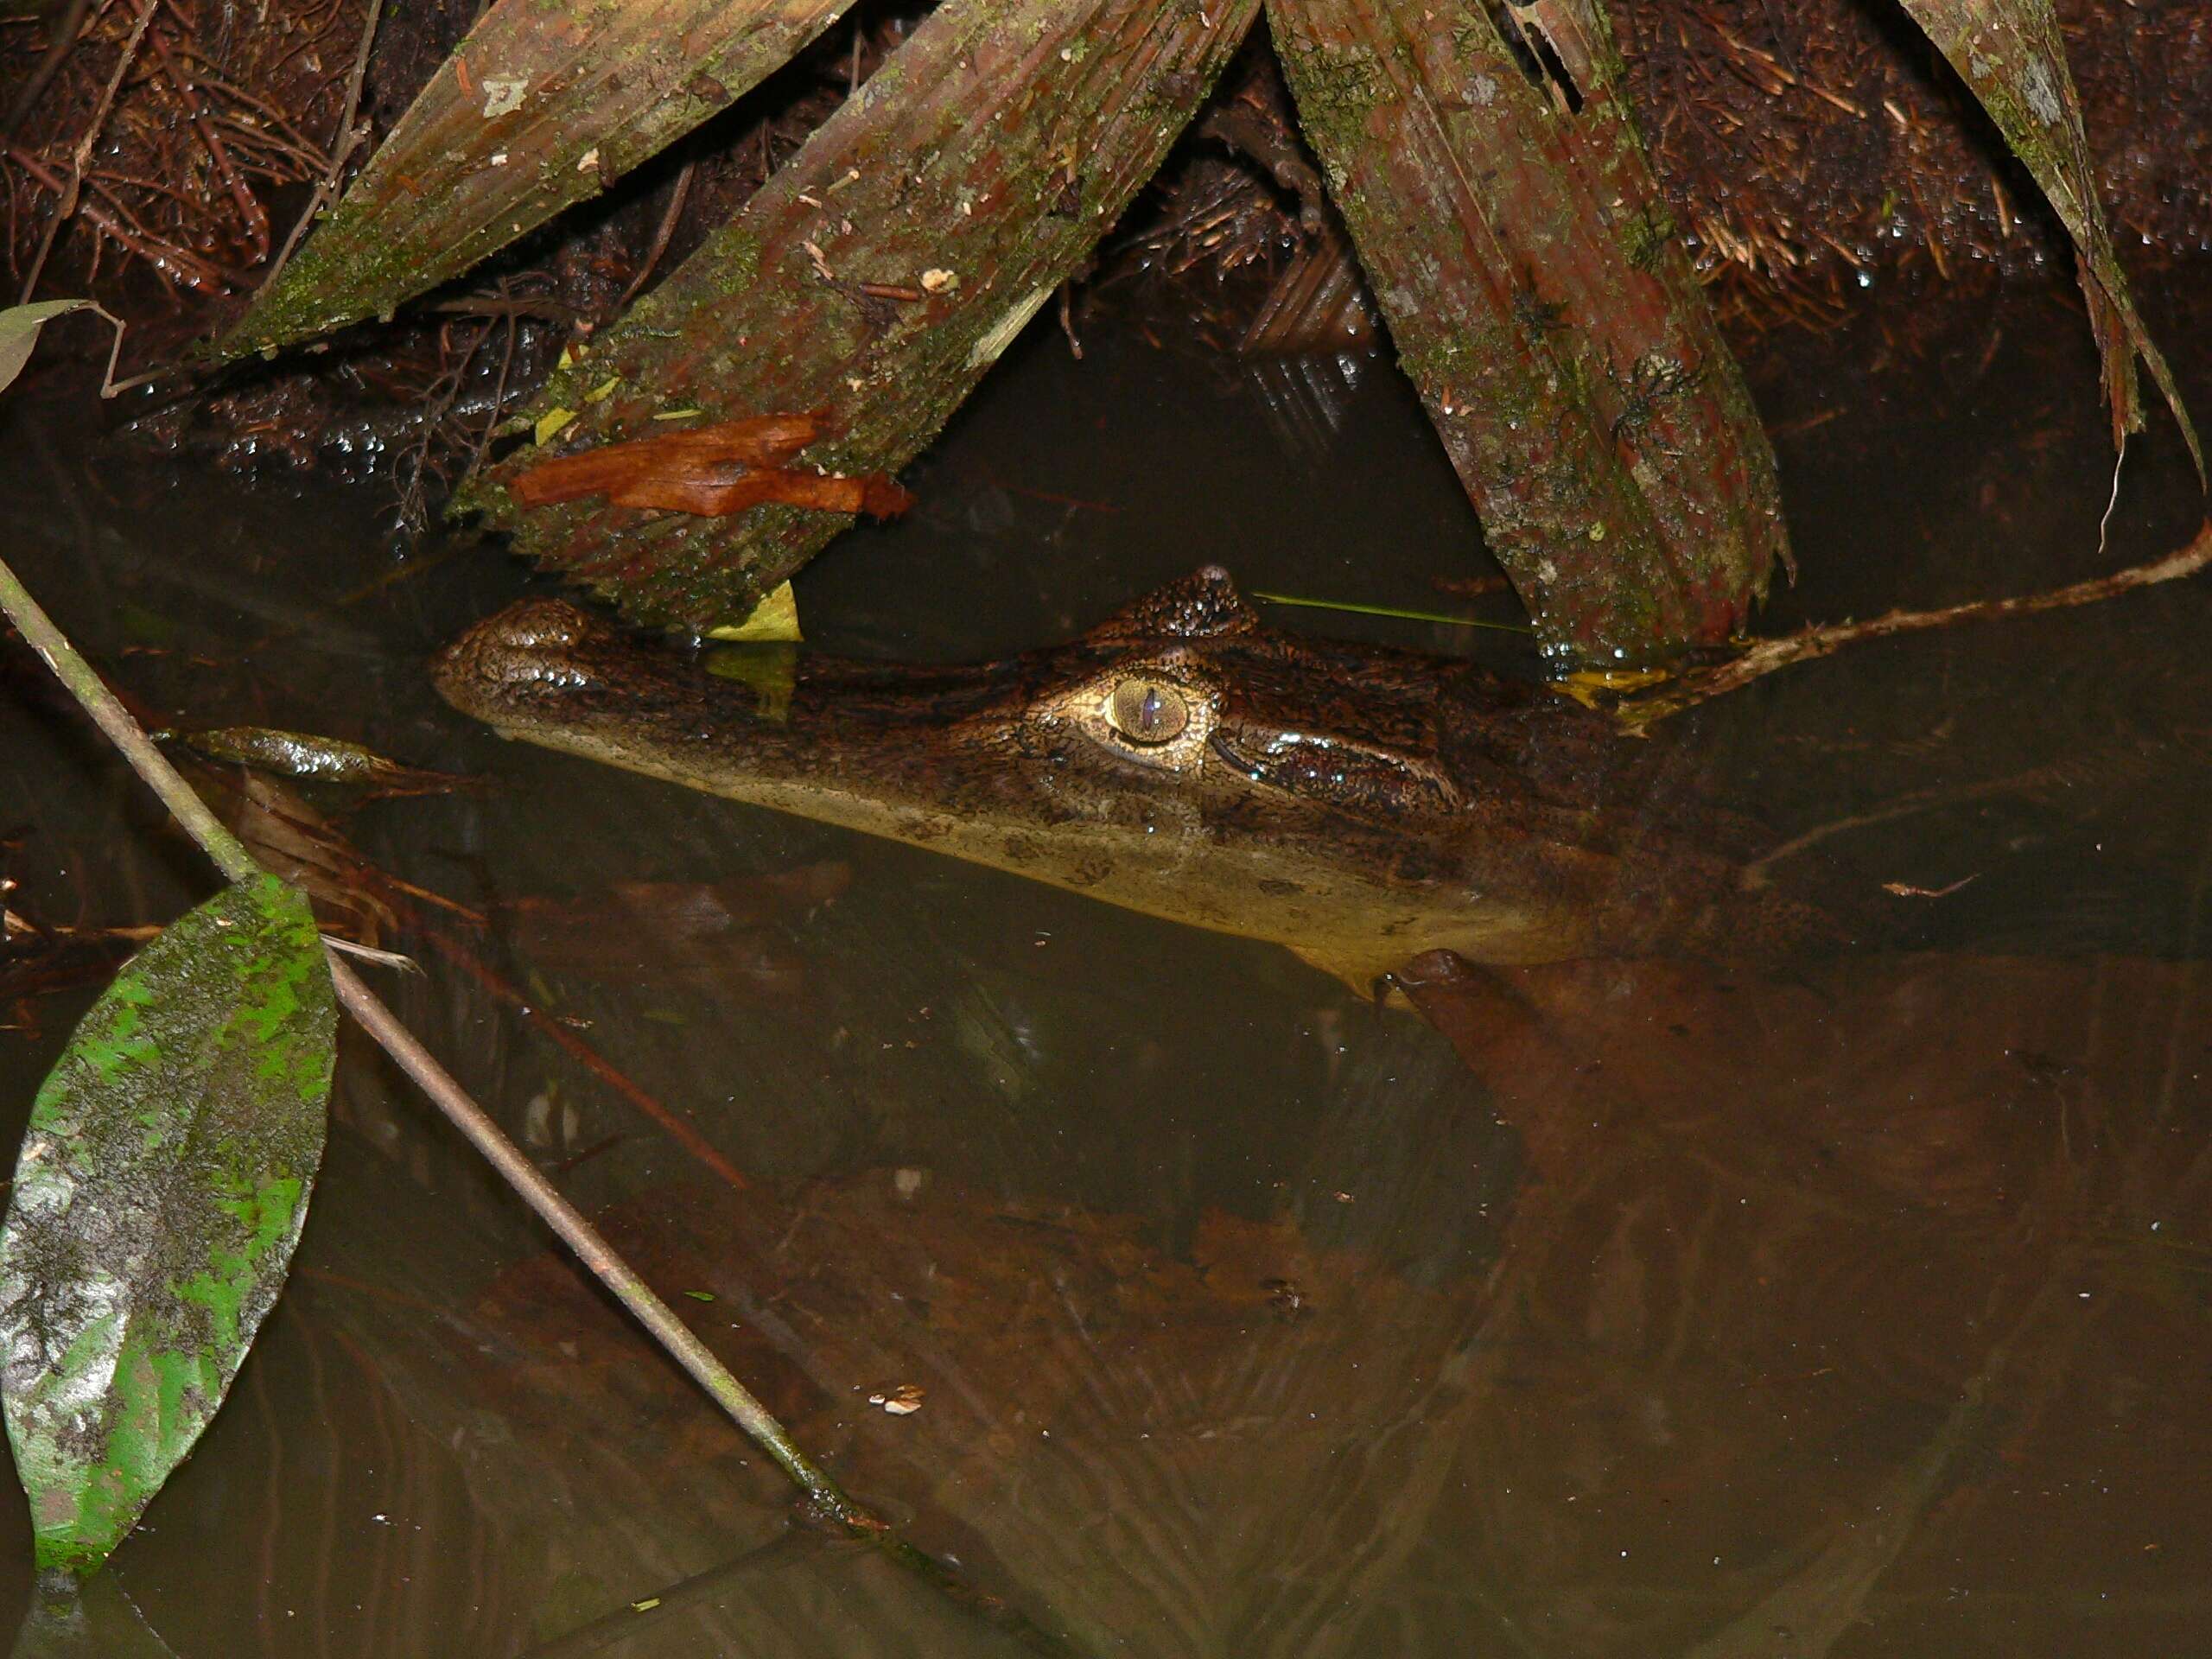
{"x": 1147, "y": 711}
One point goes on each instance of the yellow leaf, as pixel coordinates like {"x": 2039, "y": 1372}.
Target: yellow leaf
{"x": 769, "y": 669}
{"x": 551, "y": 422}
{"x": 1593, "y": 688}
{"x": 774, "y": 618}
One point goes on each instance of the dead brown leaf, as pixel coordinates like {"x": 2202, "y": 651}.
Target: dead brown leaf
{"x": 711, "y": 472}
{"x": 308, "y": 757}
{"x": 291, "y": 840}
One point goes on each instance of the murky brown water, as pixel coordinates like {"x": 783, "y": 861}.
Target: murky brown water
{"x": 1625, "y": 1311}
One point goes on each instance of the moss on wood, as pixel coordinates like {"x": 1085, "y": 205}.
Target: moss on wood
{"x": 1523, "y": 255}
{"x": 877, "y": 275}
{"x": 533, "y": 111}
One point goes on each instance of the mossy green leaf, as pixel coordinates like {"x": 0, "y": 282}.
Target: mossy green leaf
{"x": 161, "y": 1187}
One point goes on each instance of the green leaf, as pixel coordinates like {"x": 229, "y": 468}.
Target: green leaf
{"x": 19, "y": 330}
{"x": 160, "y": 1190}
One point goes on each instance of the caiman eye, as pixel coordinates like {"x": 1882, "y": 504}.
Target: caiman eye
{"x": 1149, "y": 712}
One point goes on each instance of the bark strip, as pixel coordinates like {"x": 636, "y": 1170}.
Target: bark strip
{"x": 1507, "y": 221}
{"x": 539, "y": 107}
{"x": 2012, "y": 54}
{"x": 876, "y": 278}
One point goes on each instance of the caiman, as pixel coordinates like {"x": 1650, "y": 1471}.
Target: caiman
{"x": 1355, "y": 804}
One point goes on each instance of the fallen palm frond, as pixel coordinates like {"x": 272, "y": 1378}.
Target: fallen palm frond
{"x": 1529, "y": 273}
{"x": 877, "y": 277}
{"x": 531, "y": 113}
{"x": 2011, "y": 53}
{"x": 1500, "y": 198}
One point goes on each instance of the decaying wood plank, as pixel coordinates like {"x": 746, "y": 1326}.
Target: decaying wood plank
{"x": 539, "y": 107}
{"x": 1510, "y": 228}
{"x": 876, "y": 277}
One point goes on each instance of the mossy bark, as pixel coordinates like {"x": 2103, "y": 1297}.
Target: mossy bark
{"x": 540, "y": 107}
{"x": 876, "y": 277}
{"x": 1539, "y": 301}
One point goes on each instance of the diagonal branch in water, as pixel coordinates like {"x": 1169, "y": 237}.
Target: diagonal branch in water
{"x": 825, "y": 1498}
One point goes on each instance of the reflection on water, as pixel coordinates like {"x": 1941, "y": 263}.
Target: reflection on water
{"x": 1614, "y": 1309}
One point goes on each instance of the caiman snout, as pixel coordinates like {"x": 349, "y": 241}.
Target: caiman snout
{"x": 539, "y": 645}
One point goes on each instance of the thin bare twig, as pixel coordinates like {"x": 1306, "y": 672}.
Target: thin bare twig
{"x": 592, "y": 1248}
{"x": 81, "y": 157}
{"x": 662, "y": 233}
{"x": 342, "y": 145}
{"x": 66, "y": 29}
{"x": 108, "y": 713}
{"x": 252, "y": 214}
{"x": 1811, "y": 644}
{"x": 178, "y": 264}
{"x": 593, "y": 1061}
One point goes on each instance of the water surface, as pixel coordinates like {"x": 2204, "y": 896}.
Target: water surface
{"x": 1669, "y": 1309}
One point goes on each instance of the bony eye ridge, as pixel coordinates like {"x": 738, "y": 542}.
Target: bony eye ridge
{"x": 1149, "y": 712}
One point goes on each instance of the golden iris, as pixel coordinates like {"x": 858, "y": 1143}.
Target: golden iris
{"x": 1149, "y": 712}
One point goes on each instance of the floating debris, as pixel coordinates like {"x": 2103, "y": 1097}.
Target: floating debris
{"x": 901, "y": 1402}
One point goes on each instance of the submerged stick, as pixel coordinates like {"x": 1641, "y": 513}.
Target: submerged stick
{"x": 108, "y": 713}
{"x": 825, "y": 1497}
{"x": 592, "y": 1248}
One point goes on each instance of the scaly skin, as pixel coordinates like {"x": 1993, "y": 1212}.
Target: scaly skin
{"x": 1356, "y": 805}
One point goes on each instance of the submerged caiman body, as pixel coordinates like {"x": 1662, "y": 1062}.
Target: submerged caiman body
{"x": 1356, "y": 805}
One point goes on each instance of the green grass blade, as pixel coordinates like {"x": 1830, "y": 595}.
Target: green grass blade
{"x": 1397, "y": 612}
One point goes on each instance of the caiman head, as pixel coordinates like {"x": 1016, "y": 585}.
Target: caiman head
{"x": 1356, "y": 805}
